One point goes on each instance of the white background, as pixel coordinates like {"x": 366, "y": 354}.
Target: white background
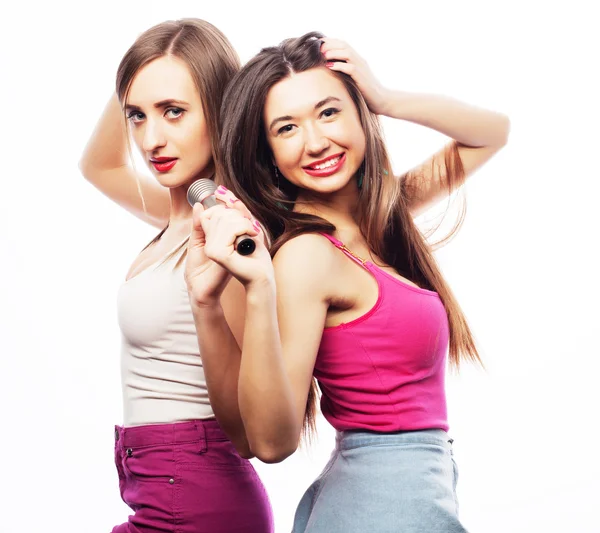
{"x": 524, "y": 267}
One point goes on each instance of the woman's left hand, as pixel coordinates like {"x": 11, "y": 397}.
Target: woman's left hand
{"x": 343, "y": 58}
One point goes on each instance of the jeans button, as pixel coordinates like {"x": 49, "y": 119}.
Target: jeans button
{"x": 129, "y": 452}
{"x": 171, "y": 481}
{"x": 116, "y": 434}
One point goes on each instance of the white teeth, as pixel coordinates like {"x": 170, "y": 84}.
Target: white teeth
{"x": 327, "y": 164}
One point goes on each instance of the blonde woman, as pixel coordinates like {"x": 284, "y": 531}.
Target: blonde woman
{"x": 181, "y": 451}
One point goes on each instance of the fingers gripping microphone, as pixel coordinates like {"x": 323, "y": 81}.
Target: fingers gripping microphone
{"x": 203, "y": 191}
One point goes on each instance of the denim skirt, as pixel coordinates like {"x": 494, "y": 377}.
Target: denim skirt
{"x": 401, "y": 482}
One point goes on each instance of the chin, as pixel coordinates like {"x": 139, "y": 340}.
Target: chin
{"x": 171, "y": 182}
{"x": 329, "y": 185}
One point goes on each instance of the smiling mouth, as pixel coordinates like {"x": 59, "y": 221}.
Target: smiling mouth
{"x": 326, "y": 164}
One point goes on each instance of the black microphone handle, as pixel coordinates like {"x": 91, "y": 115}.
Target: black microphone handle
{"x": 244, "y": 244}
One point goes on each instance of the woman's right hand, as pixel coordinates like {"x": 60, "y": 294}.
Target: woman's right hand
{"x": 222, "y": 226}
{"x": 212, "y": 257}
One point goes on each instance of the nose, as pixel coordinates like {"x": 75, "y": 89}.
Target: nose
{"x": 315, "y": 142}
{"x": 153, "y": 136}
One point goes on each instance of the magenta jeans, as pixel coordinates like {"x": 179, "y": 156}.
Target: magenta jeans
{"x": 188, "y": 478}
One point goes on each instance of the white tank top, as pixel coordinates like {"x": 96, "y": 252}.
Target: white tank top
{"x": 161, "y": 370}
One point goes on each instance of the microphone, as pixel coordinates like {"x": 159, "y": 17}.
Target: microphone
{"x": 202, "y": 191}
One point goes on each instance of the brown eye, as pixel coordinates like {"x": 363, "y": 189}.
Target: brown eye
{"x": 329, "y": 112}
{"x": 285, "y": 129}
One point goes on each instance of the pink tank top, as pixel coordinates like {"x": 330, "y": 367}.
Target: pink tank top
{"x": 385, "y": 370}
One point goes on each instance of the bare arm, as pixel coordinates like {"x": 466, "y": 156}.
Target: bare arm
{"x": 281, "y": 340}
{"x": 283, "y": 326}
{"x": 478, "y": 134}
{"x": 105, "y": 164}
{"x": 220, "y": 334}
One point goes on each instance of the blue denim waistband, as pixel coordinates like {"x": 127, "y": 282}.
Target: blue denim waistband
{"x": 346, "y": 440}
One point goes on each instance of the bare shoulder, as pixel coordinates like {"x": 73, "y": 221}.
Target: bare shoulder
{"x": 307, "y": 251}
{"x": 306, "y": 260}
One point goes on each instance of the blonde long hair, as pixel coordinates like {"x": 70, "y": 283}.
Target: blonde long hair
{"x": 210, "y": 58}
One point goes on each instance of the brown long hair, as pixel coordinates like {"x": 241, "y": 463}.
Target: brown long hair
{"x": 383, "y": 214}
{"x": 209, "y": 56}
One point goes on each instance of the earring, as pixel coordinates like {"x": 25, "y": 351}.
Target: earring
{"x": 279, "y": 204}
{"x": 276, "y": 176}
{"x": 360, "y": 179}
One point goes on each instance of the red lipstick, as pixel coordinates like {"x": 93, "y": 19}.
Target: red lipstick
{"x": 328, "y": 170}
{"x": 163, "y": 164}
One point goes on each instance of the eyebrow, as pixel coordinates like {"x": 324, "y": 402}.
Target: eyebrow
{"x": 158, "y": 105}
{"x": 317, "y": 105}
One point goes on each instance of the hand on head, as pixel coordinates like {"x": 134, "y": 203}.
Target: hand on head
{"x": 343, "y": 58}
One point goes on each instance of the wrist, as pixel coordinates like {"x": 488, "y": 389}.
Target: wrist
{"x": 384, "y": 101}
{"x": 261, "y": 289}
{"x": 208, "y": 309}
{"x": 393, "y": 103}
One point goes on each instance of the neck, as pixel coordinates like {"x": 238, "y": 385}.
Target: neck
{"x": 181, "y": 211}
{"x": 339, "y": 208}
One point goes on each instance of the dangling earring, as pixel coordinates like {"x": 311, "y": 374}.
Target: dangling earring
{"x": 276, "y": 176}
{"x": 360, "y": 179}
{"x": 279, "y": 204}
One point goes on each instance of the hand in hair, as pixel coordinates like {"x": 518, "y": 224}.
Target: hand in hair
{"x": 342, "y": 58}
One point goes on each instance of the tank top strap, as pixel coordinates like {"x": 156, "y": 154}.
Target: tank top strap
{"x": 341, "y": 246}
{"x": 177, "y": 250}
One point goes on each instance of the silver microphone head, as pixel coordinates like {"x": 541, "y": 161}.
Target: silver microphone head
{"x": 202, "y": 191}
{"x": 199, "y": 190}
